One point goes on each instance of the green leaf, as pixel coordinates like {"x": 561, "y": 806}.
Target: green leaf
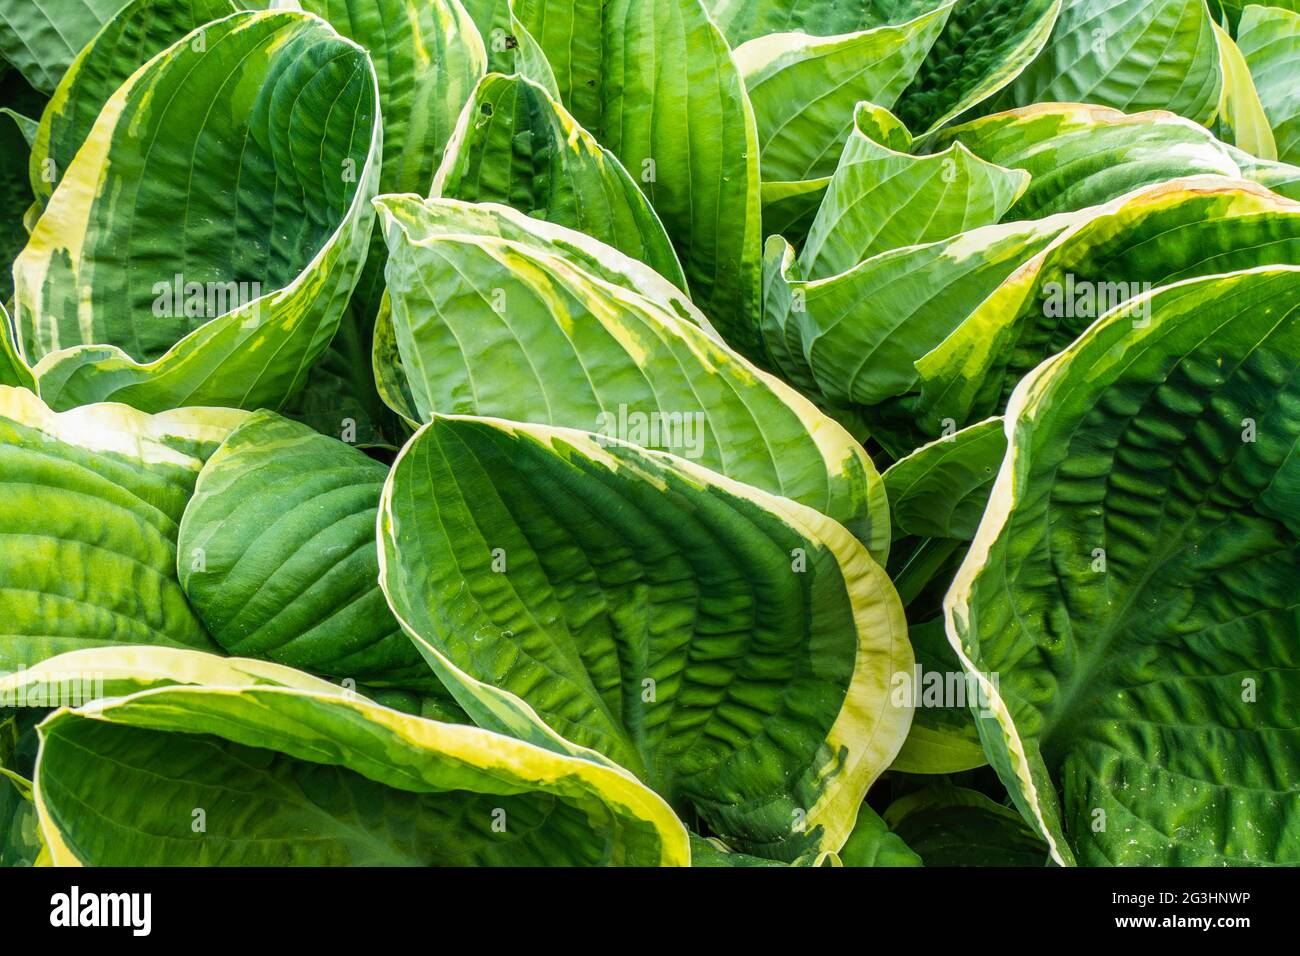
{"x": 730, "y": 647}
{"x": 1083, "y": 156}
{"x": 743, "y": 20}
{"x": 1133, "y": 583}
{"x": 278, "y": 556}
{"x": 955, "y": 826}
{"x": 1269, "y": 39}
{"x": 790, "y": 207}
{"x": 881, "y": 199}
{"x": 13, "y": 370}
{"x": 854, "y": 337}
{"x": 871, "y": 844}
{"x": 88, "y": 526}
{"x": 1162, "y": 234}
{"x": 502, "y": 328}
{"x": 518, "y": 146}
{"x": 1241, "y": 119}
{"x": 20, "y": 841}
{"x": 41, "y": 39}
{"x": 427, "y": 57}
{"x": 134, "y": 35}
{"x": 804, "y": 88}
{"x": 984, "y": 46}
{"x": 943, "y": 737}
{"x": 373, "y": 787}
{"x": 654, "y": 81}
{"x": 940, "y": 490}
{"x": 1159, "y": 54}
{"x": 108, "y": 287}
{"x": 76, "y": 678}
{"x": 1281, "y": 178}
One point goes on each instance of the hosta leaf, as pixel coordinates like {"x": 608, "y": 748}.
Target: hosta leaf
{"x": 789, "y": 207}
{"x": 654, "y": 81}
{"x": 943, "y": 737}
{"x": 20, "y": 841}
{"x": 881, "y": 199}
{"x": 518, "y": 146}
{"x": 135, "y": 34}
{"x": 1081, "y": 155}
{"x": 871, "y": 844}
{"x": 13, "y": 370}
{"x": 1281, "y": 178}
{"x": 804, "y": 88}
{"x": 374, "y": 787}
{"x": 1241, "y": 119}
{"x": 743, "y": 20}
{"x": 983, "y": 47}
{"x": 956, "y": 826}
{"x": 1269, "y": 39}
{"x": 497, "y": 327}
{"x": 1159, "y": 54}
{"x": 1133, "y": 583}
{"x": 854, "y": 337}
{"x": 41, "y": 39}
{"x": 277, "y": 556}
{"x": 95, "y": 673}
{"x": 730, "y": 647}
{"x": 427, "y": 57}
{"x": 1229, "y": 11}
{"x": 940, "y": 490}
{"x": 1162, "y": 234}
{"x": 282, "y": 232}
{"x": 88, "y": 527}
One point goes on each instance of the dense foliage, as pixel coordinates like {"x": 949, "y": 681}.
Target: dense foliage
{"x": 649, "y": 432}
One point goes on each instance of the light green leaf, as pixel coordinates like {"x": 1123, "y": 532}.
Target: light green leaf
{"x": 282, "y": 232}
{"x": 13, "y": 370}
{"x": 881, "y": 199}
{"x": 790, "y": 207}
{"x": 1241, "y": 119}
{"x": 1282, "y": 178}
{"x": 940, "y": 490}
{"x": 956, "y": 826}
{"x": 373, "y": 787}
{"x": 1157, "y": 54}
{"x": 677, "y": 621}
{"x": 76, "y": 678}
{"x": 496, "y": 327}
{"x": 277, "y": 556}
{"x": 41, "y": 39}
{"x": 1133, "y": 583}
{"x": 854, "y": 337}
{"x": 654, "y": 81}
{"x": 804, "y": 88}
{"x": 943, "y": 737}
{"x": 1162, "y": 234}
{"x": 518, "y": 146}
{"x": 1081, "y": 155}
{"x": 1269, "y": 39}
{"x": 743, "y": 20}
{"x": 135, "y": 34}
{"x": 88, "y": 526}
{"x": 871, "y": 844}
{"x": 984, "y": 46}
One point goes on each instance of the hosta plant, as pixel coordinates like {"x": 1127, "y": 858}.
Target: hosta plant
{"x": 649, "y": 433}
